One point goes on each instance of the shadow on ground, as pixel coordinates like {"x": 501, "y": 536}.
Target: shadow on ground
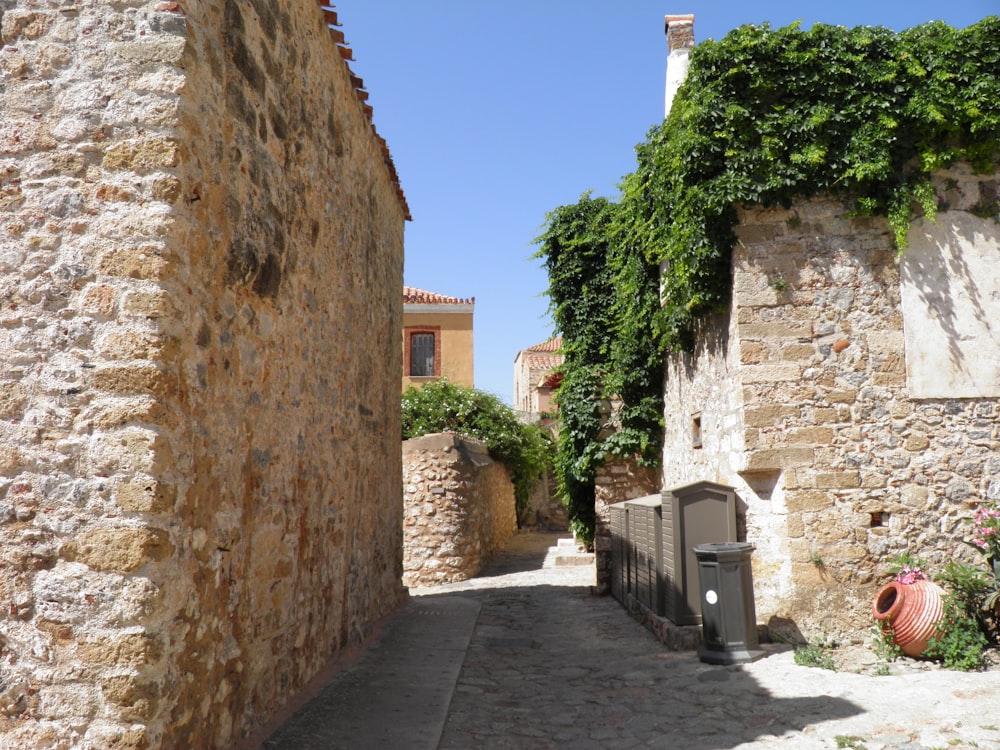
{"x": 555, "y": 667}
{"x": 530, "y": 659}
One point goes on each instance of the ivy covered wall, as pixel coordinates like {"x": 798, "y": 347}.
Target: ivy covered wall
{"x": 766, "y": 116}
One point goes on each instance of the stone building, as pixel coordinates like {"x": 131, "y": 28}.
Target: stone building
{"x": 200, "y": 255}
{"x": 458, "y": 508}
{"x": 851, "y": 396}
{"x": 437, "y": 338}
{"x": 536, "y": 379}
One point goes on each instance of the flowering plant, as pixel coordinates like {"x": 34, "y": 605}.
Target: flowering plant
{"x": 906, "y": 568}
{"x": 986, "y": 533}
{"x": 909, "y": 574}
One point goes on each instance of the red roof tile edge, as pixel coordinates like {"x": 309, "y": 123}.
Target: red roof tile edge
{"x": 414, "y": 296}
{"x": 333, "y": 24}
{"x": 552, "y": 345}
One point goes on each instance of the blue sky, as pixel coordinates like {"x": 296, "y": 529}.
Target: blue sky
{"x": 496, "y": 113}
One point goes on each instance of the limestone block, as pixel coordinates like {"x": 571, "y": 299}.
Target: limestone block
{"x": 797, "y": 352}
{"x": 142, "y": 262}
{"x": 838, "y": 479}
{"x": 156, "y": 304}
{"x": 13, "y": 397}
{"x": 118, "y": 549}
{"x": 775, "y": 372}
{"x": 799, "y": 501}
{"x": 130, "y": 344}
{"x": 134, "y": 379}
{"x": 778, "y": 458}
{"x": 768, "y": 415}
{"x": 132, "y": 650}
{"x": 141, "y": 155}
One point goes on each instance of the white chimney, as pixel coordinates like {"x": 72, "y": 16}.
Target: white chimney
{"x": 680, "y": 40}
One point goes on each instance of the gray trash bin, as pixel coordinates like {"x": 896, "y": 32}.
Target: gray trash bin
{"x": 728, "y": 616}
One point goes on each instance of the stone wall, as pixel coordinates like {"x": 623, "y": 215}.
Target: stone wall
{"x": 458, "y": 508}
{"x": 545, "y": 511}
{"x": 617, "y": 480}
{"x": 799, "y": 399}
{"x": 200, "y": 264}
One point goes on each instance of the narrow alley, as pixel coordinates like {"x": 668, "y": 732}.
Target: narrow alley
{"x": 525, "y": 657}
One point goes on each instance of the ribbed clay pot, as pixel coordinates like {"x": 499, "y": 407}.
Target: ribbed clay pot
{"x": 910, "y": 612}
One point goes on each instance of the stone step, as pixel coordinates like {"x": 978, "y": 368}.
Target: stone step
{"x": 581, "y": 558}
{"x": 569, "y": 552}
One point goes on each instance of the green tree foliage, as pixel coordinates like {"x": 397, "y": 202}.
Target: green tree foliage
{"x": 439, "y": 406}
{"x": 765, "y": 116}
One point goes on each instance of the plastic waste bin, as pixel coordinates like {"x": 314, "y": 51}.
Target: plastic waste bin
{"x": 728, "y": 615}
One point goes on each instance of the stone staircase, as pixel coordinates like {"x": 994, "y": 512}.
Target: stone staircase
{"x": 568, "y": 552}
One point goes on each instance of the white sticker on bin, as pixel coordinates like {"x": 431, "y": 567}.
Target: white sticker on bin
{"x": 711, "y": 597}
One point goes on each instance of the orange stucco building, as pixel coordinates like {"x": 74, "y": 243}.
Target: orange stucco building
{"x": 437, "y": 338}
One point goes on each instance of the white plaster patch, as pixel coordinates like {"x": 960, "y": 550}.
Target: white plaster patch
{"x": 950, "y": 288}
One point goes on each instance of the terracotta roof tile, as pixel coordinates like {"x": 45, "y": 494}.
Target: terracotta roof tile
{"x": 552, "y": 345}
{"x": 544, "y": 356}
{"x": 414, "y": 296}
{"x": 542, "y": 360}
{"x": 333, "y": 24}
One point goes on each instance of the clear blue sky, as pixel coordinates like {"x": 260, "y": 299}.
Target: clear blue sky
{"x": 496, "y": 113}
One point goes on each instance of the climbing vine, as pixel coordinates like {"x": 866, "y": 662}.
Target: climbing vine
{"x": 603, "y": 298}
{"x": 765, "y": 116}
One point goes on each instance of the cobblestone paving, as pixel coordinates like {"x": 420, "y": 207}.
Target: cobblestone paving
{"x": 552, "y": 666}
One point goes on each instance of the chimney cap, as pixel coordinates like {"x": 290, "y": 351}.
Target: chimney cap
{"x": 686, "y": 17}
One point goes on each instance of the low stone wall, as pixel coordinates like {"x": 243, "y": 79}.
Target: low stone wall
{"x": 459, "y": 508}
{"x": 545, "y": 511}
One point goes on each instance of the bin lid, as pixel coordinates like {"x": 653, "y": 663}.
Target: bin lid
{"x": 723, "y": 548}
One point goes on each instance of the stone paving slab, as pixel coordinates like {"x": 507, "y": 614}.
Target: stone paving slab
{"x": 397, "y": 695}
{"x": 548, "y": 665}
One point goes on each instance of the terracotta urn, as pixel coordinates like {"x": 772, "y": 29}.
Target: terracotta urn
{"x": 910, "y": 612}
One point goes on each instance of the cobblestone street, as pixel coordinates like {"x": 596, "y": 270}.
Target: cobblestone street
{"x": 549, "y": 665}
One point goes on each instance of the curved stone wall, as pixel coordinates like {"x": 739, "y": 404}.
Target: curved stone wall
{"x": 458, "y": 508}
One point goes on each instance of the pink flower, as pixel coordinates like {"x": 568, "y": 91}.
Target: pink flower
{"x": 909, "y": 575}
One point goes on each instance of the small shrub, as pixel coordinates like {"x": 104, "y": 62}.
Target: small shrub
{"x": 440, "y": 406}
{"x": 815, "y": 655}
{"x": 884, "y": 644}
{"x": 958, "y": 643}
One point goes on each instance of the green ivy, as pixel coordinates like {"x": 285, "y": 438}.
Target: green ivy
{"x": 440, "y": 406}
{"x": 766, "y": 116}
{"x": 603, "y": 298}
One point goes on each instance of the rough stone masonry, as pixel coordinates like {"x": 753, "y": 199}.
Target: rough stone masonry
{"x": 200, "y": 263}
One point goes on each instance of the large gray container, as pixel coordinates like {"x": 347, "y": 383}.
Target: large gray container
{"x": 646, "y": 578}
{"x": 618, "y": 519}
{"x": 729, "y": 617}
{"x": 699, "y": 513}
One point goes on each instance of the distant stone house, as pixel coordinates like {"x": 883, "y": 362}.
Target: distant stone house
{"x": 536, "y": 379}
{"x": 437, "y": 338}
{"x": 201, "y": 251}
